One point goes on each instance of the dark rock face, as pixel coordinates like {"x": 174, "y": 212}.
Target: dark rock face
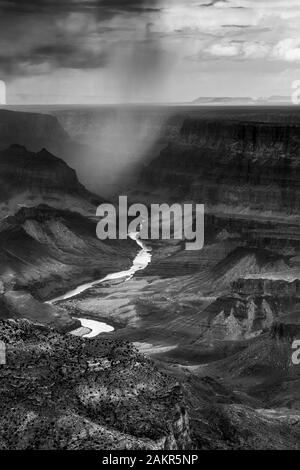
{"x": 61, "y": 392}
{"x": 39, "y": 175}
{"x": 29, "y": 129}
{"x": 253, "y": 306}
{"x": 240, "y": 164}
{"x": 28, "y": 179}
{"x": 286, "y": 328}
{"x": 265, "y": 286}
{"x": 236, "y": 427}
{"x": 244, "y": 136}
{"x": 36, "y": 170}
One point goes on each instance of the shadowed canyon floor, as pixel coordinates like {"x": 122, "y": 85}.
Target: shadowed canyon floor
{"x": 213, "y": 322}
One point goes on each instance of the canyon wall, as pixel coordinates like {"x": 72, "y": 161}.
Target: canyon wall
{"x": 34, "y": 130}
{"x": 238, "y": 164}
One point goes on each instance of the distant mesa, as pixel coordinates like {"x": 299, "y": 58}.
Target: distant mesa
{"x": 242, "y": 100}
{"x": 224, "y": 100}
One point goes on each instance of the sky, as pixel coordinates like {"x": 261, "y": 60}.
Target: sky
{"x": 134, "y": 51}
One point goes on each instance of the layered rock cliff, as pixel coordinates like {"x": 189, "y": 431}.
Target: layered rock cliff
{"x": 24, "y": 169}
{"x": 28, "y": 179}
{"x": 61, "y": 392}
{"x": 45, "y": 251}
{"x": 239, "y": 164}
{"x": 48, "y": 240}
{"x": 34, "y": 130}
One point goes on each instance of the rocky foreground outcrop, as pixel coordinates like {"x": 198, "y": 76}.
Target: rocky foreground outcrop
{"x": 221, "y": 321}
{"x": 62, "y": 392}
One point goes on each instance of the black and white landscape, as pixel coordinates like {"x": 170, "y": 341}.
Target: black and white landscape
{"x": 132, "y": 344}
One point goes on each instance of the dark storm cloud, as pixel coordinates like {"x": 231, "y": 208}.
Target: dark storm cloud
{"x": 34, "y": 37}
{"x": 241, "y": 26}
{"x": 105, "y": 7}
{"x": 127, "y": 5}
{"x": 41, "y": 59}
{"x": 67, "y": 55}
{"x": 213, "y": 3}
{"x": 216, "y": 2}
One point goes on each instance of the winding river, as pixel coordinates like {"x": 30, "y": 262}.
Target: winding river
{"x": 141, "y": 261}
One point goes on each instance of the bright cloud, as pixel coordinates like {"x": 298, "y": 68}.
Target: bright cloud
{"x": 168, "y": 50}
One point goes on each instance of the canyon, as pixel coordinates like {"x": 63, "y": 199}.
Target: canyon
{"x": 217, "y": 325}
